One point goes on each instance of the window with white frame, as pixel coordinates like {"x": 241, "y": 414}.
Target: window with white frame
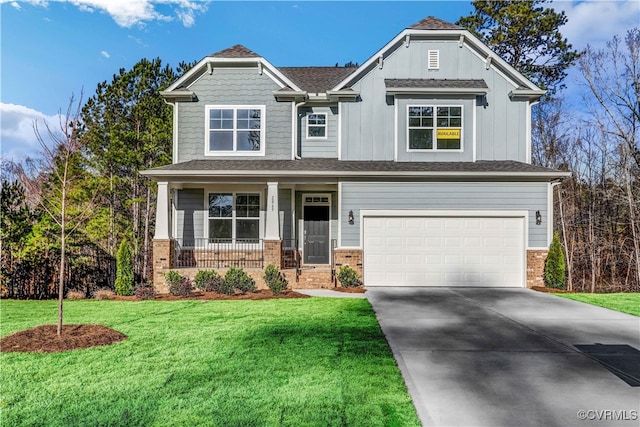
{"x": 234, "y": 217}
{"x": 235, "y": 129}
{"x": 434, "y": 128}
{"x": 317, "y": 125}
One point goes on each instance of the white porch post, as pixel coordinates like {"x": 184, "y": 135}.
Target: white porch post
{"x": 162, "y": 212}
{"x": 272, "y": 226}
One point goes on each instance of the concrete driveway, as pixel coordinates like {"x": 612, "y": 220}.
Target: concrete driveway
{"x": 512, "y": 357}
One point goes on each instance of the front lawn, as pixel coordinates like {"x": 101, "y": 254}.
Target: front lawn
{"x": 305, "y": 362}
{"x": 624, "y": 302}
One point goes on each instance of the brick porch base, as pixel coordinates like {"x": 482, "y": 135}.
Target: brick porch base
{"x": 535, "y": 267}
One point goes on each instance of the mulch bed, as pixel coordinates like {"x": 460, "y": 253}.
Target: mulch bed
{"x": 258, "y": 295}
{"x": 44, "y": 338}
{"x": 550, "y": 290}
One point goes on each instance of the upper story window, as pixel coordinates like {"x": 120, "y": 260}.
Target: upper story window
{"x": 434, "y": 128}
{"x": 235, "y": 130}
{"x": 317, "y": 126}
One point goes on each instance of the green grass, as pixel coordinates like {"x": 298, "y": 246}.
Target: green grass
{"x": 624, "y": 302}
{"x": 305, "y": 362}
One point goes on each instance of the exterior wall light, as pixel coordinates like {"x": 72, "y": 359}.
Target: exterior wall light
{"x": 538, "y": 218}
{"x": 351, "y": 219}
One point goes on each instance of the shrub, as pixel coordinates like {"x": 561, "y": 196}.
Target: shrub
{"x": 348, "y": 277}
{"x": 145, "y": 291}
{"x": 275, "y": 279}
{"x": 178, "y": 284}
{"x": 555, "y": 267}
{"x": 102, "y": 294}
{"x": 237, "y": 278}
{"x": 208, "y": 280}
{"x": 124, "y": 270}
{"x": 75, "y": 295}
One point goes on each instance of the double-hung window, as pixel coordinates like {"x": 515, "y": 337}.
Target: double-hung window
{"x": 317, "y": 126}
{"x": 234, "y": 217}
{"x": 235, "y": 130}
{"x": 434, "y": 128}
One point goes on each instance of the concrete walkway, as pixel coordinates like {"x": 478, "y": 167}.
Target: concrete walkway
{"x": 329, "y": 293}
{"x": 512, "y": 357}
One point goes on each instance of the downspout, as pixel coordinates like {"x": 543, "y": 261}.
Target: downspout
{"x": 296, "y": 129}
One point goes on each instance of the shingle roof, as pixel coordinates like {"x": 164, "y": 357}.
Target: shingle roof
{"x": 433, "y": 23}
{"x": 316, "y": 79}
{"x": 436, "y": 83}
{"x": 335, "y": 168}
{"x": 237, "y": 51}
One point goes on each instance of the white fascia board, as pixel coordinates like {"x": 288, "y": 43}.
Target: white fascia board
{"x": 437, "y": 91}
{"x": 469, "y": 39}
{"x": 526, "y": 94}
{"x": 397, "y": 174}
{"x": 201, "y": 67}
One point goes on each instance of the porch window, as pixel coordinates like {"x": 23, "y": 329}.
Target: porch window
{"x": 234, "y": 217}
{"x": 434, "y": 128}
{"x": 317, "y": 126}
{"x": 235, "y": 130}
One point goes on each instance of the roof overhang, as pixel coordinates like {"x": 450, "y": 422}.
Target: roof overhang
{"x": 178, "y": 95}
{"x": 290, "y": 95}
{"x": 526, "y": 94}
{"x": 436, "y": 91}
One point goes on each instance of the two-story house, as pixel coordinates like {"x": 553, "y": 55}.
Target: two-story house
{"x": 414, "y": 168}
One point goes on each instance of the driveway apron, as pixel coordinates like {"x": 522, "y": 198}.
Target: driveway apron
{"x": 512, "y": 357}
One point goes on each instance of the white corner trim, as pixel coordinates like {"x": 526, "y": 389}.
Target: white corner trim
{"x": 396, "y": 128}
{"x": 474, "y": 129}
{"x": 174, "y": 157}
{"x": 339, "y": 130}
{"x": 339, "y": 212}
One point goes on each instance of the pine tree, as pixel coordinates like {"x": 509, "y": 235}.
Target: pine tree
{"x": 554, "y": 268}
{"x": 124, "y": 270}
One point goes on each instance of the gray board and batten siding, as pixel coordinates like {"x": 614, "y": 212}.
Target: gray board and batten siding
{"x": 319, "y": 147}
{"x": 233, "y": 86}
{"x": 496, "y": 196}
{"x": 368, "y": 125}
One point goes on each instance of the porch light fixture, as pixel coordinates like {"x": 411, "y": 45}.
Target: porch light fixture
{"x": 351, "y": 220}
{"x": 538, "y": 218}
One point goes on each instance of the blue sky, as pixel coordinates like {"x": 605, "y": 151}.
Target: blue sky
{"x": 51, "y": 49}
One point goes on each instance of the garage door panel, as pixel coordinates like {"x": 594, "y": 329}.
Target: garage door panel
{"x": 435, "y": 251}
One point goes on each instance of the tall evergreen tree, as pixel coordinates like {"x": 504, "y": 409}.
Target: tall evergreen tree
{"x": 527, "y": 35}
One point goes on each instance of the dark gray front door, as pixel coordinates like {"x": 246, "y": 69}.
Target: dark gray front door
{"x": 316, "y": 235}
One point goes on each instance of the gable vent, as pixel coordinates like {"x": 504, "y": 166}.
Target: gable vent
{"x": 433, "y": 60}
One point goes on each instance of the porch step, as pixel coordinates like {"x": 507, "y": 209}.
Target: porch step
{"x": 310, "y": 278}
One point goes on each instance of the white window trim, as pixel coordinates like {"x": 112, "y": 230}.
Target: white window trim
{"x": 233, "y": 218}
{"x": 326, "y": 127}
{"x": 207, "y": 133}
{"x": 435, "y": 139}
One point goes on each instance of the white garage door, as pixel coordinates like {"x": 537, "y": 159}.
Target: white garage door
{"x": 444, "y": 251}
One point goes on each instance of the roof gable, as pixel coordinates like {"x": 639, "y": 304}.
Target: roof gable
{"x": 237, "y": 51}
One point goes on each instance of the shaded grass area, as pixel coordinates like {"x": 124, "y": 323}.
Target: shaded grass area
{"x": 307, "y": 362}
{"x": 624, "y": 302}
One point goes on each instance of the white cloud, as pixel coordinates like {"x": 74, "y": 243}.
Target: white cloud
{"x": 105, "y": 54}
{"x": 16, "y": 130}
{"x": 16, "y": 5}
{"x": 596, "y": 22}
{"x": 127, "y": 13}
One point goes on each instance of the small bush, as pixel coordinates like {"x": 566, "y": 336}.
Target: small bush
{"x": 348, "y": 277}
{"x": 554, "y": 266}
{"x": 124, "y": 270}
{"x": 178, "y": 284}
{"x": 208, "y": 280}
{"x": 75, "y": 295}
{"x": 237, "y": 278}
{"x": 145, "y": 291}
{"x": 275, "y": 279}
{"x": 103, "y": 294}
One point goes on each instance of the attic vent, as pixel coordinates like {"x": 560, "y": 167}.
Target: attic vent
{"x": 433, "y": 60}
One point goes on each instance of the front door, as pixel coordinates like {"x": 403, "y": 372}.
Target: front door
{"x": 316, "y": 234}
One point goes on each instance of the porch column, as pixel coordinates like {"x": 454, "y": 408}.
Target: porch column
{"x": 272, "y": 221}
{"x": 162, "y": 212}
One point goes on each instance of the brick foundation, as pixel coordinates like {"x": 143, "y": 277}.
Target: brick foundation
{"x": 350, "y": 257}
{"x": 162, "y": 262}
{"x": 535, "y": 267}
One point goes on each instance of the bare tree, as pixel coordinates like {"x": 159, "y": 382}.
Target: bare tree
{"x": 56, "y": 182}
